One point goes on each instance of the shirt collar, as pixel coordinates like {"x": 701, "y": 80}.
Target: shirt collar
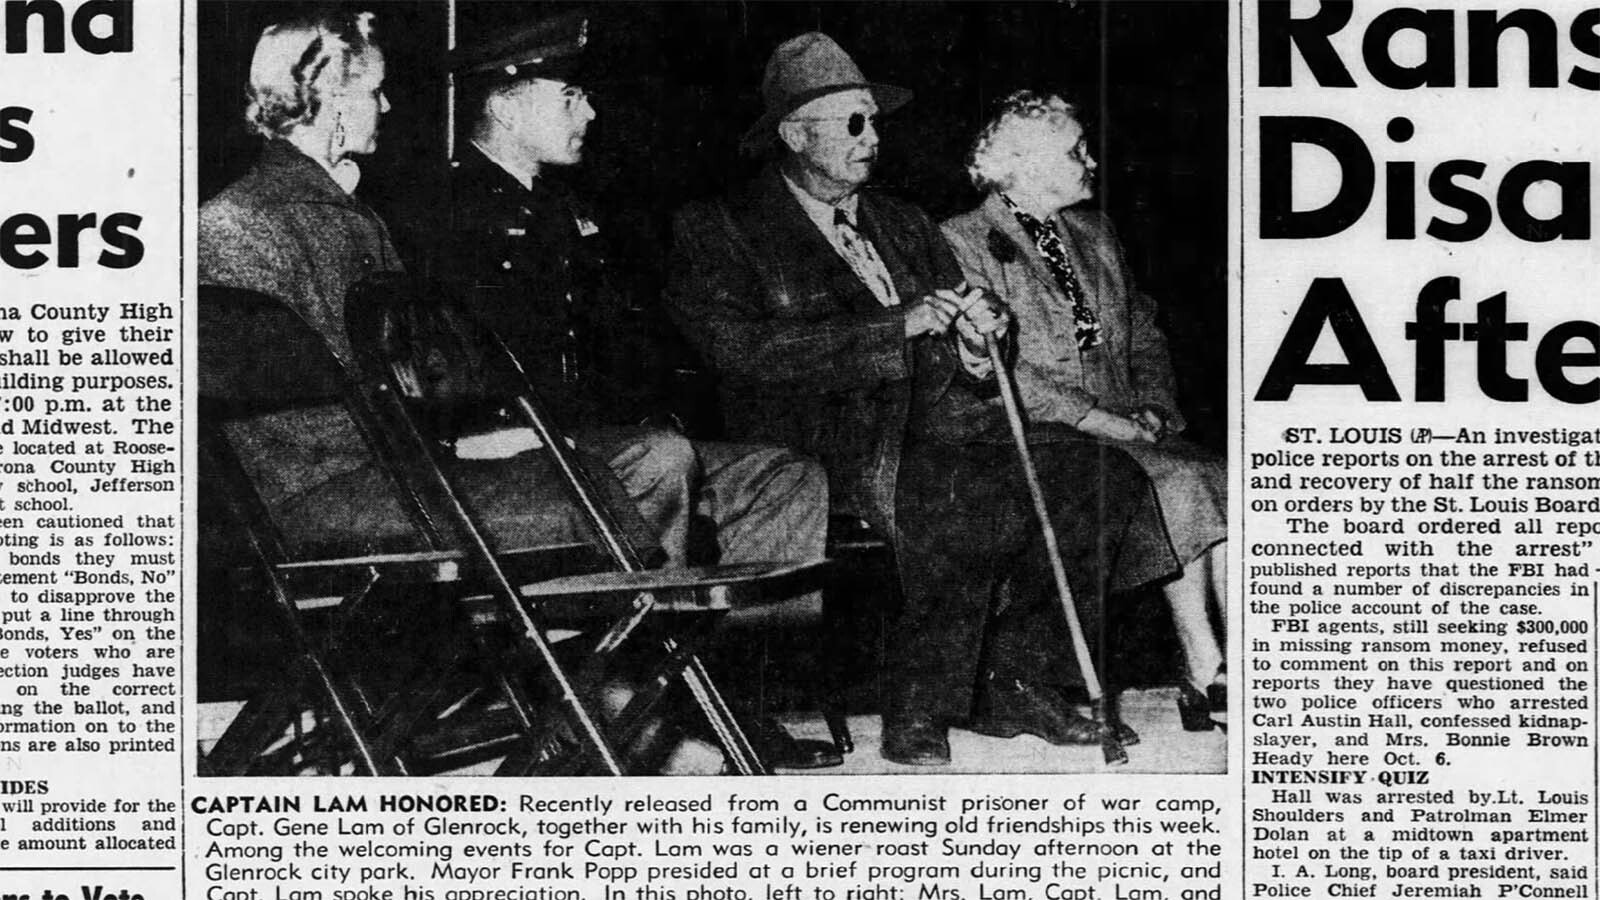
{"x": 521, "y": 173}
{"x": 821, "y": 212}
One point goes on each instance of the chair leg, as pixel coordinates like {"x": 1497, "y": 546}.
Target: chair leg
{"x": 258, "y": 725}
{"x": 340, "y": 709}
{"x": 835, "y": 671}
{"x": 680, "y": 662}
{"x": 264, "y": 720}
{"x": 519, "y": 761}
{"x": 552, "y": 749}
{"x": 742, "y": 757}
{"x": 843, "y": 610}
{"x": 566, "y": 734}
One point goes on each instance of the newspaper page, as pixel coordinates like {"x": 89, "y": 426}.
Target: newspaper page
{"x": 260, "y": 548}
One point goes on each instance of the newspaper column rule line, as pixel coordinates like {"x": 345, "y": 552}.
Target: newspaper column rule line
{"x": 88, "y": 868}
{"x": 183, "y": 417}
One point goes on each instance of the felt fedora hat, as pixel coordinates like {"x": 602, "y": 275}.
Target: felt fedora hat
{"x": 801, "y": 70}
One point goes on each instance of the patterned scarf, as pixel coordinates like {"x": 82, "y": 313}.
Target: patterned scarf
{"x": 1048, "y": 240}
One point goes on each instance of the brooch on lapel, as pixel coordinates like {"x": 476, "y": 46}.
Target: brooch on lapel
{"x": 1001, "y": 247}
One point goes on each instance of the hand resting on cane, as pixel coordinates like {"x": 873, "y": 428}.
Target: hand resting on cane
{"x": 933, "y": 313}
{"x": 982, "y": 315}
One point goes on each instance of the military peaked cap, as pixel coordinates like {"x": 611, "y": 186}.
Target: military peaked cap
{"x": 549, "y": 48}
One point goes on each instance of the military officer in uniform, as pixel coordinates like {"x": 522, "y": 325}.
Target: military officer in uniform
{"x": 528, "y": 256}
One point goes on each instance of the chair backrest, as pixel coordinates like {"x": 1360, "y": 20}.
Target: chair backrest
{"x": 257, "y": 357}
{"x": 393, "y": 329}
{"x": 256, "y": 353}
{"x": 401, "y": 334}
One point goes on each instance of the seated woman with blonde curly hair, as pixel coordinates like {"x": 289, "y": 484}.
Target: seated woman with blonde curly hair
{"x": 292, "y": 228}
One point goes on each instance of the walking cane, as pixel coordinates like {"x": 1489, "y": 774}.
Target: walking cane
{"x": 1115, "y": 755}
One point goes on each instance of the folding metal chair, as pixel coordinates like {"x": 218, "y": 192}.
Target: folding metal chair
{"x": 389, "y": 324}
{"x": 259, "y": 358}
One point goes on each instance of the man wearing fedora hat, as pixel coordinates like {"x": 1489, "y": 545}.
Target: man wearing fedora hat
{"x": 839, "y": 324}
{"x": 530, "y": 257}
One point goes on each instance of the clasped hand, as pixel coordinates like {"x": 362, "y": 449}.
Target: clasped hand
{"x": 1143, "y": 426}
{"x": 975, "y": 312}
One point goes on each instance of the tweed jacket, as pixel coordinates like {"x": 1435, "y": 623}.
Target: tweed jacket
{"x": 1057, "y": 381}
{"x": 287, "y": 230}
{"x": 806, "y": 355}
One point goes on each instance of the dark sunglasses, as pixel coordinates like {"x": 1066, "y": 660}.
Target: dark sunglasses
{"x": 854, "y": 124}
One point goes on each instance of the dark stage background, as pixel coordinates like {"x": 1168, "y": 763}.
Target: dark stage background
{"x": 676, "y": 84}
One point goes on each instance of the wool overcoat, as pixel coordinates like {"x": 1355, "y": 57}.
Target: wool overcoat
{"x": 287, "y": 230}
{"x": 1059, "y": 382}
{"x": 808, "y": 357}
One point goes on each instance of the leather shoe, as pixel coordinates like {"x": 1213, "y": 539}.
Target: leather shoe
{"x": 914, "y": 740}
{"x": 781, "y": 750}
{"x": 1009, "y": 708}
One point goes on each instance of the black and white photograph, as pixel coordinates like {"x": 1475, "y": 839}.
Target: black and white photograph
{"x": 712, "y": 388}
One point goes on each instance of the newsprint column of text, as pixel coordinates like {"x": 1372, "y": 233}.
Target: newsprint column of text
{"x": 91, "y": 445}
{"x": 1422, "y": 463}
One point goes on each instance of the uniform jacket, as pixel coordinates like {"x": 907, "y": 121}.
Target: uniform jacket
{"x": 287, "y": 230}
{"x": 1059, "y": 382}
{"x": 806, "y": 355}
{"x": 535, "y": 266}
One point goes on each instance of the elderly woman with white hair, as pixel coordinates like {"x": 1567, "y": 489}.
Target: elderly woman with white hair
{"x": 1089, "y": 352}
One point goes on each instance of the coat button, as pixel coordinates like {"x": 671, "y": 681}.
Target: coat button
{"x": 505, "y": 264}
{"x": 367, "y": 261}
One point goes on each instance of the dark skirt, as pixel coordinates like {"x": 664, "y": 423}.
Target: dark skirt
{"x": 980, "y": 601}
{"x": 1192, "y": 486}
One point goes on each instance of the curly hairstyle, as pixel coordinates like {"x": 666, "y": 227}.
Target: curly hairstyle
{"x": 991, "y": 158}
{"x": 293, "y": 64}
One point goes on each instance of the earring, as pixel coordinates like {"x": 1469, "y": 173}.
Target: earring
{"x": 339, "y": 136}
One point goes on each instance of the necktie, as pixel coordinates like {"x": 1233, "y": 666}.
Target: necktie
{"x": 861, "y": 256}
{"x": 1048, "y": 240}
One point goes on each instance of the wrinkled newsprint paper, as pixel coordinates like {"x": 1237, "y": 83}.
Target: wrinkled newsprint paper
{"x": 1368, "y": 229}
